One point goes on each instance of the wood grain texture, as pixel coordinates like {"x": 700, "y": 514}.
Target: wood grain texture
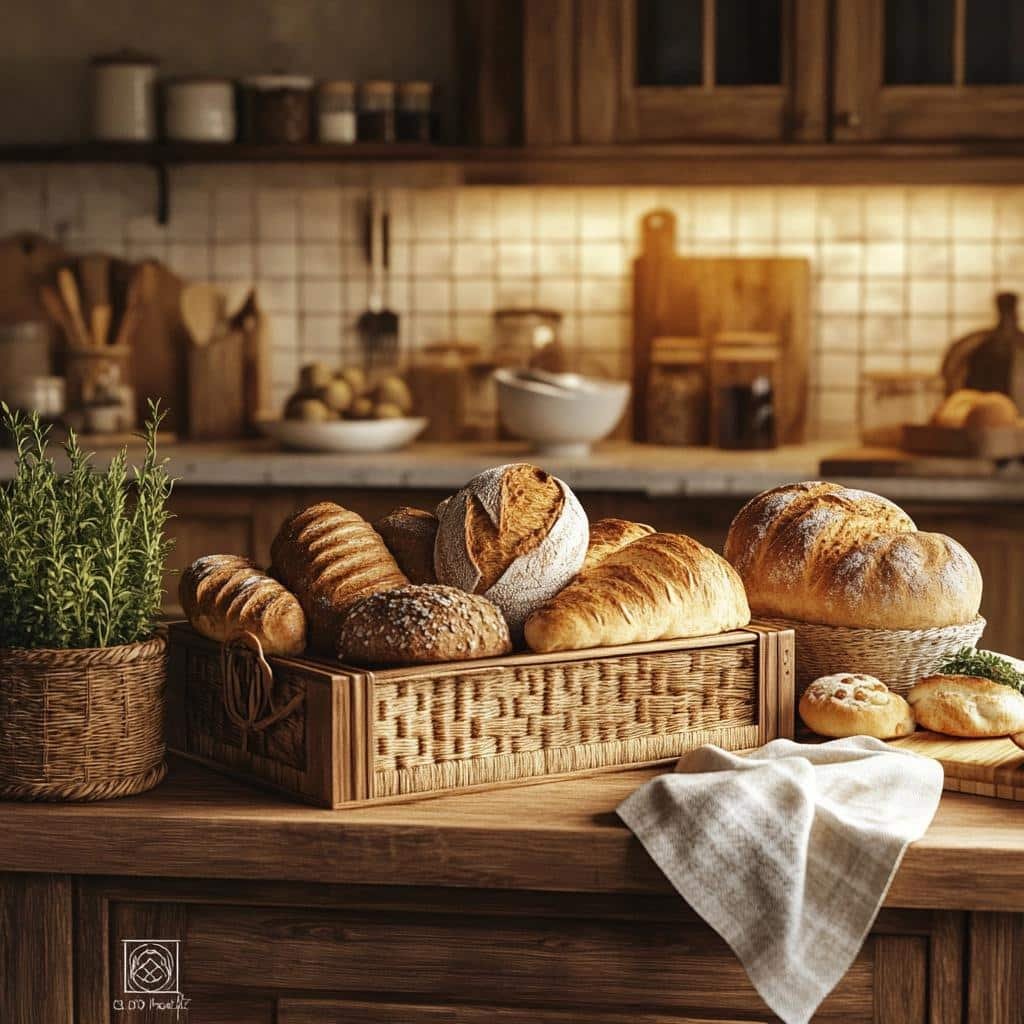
{"x": 995, "y": 991}
{"x": 901, "y": 979}
{"x": 898, "y": 462}
{"x": 36, "y": 970}
{"x": 549, "y": 72}
{"x": 598, "y": 58}
{"x": 989, "y": 767}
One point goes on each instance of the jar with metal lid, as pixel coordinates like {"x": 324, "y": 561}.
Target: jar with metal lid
{"x": 677, "y": 392}
{"x": 124, "y": 97}
{"x": 376, "y": 118}
{"x": 416, "y": 119}
{"x": 277, "y": 109}
{"x": 199, "y": 110}
{"x": 744, "y": 386}
{"x": 336, "y": 111}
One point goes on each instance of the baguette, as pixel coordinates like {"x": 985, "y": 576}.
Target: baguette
{"x": 224, "y": 594}
{"x": 659, "y": 587}
{"x": 330, "y": 558}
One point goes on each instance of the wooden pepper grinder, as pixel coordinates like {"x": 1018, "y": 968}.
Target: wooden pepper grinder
{"x": 990, "y": 360}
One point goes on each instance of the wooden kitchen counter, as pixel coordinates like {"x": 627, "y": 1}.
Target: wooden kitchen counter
{"x": 531, "y": 903}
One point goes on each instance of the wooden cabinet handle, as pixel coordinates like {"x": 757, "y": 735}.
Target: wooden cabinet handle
{"x": 847, "y": 119}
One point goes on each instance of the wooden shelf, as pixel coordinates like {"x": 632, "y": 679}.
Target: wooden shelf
{"x": 646, "y": 165}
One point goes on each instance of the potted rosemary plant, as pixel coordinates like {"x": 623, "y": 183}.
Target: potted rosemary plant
{"x": 82, "y": 668}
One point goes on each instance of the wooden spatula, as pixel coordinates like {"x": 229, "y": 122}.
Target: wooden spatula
{"x": 202, "y": 310}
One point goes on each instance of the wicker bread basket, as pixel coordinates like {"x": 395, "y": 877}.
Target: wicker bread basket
{"x": 899, "y": 657}
{"x": 82, "y": 724}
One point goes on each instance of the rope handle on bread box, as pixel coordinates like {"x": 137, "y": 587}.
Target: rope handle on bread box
{"x": 248, "y": 686}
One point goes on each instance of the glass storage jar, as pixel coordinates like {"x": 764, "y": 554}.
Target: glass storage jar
{"x": 416, "y": 120}
{"x": 277, "y": 109}
{"x": 336, "y": 111}
{"x": 376, "y": 119}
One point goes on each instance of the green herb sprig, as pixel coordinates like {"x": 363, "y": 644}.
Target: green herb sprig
{"x": 970, "y": 662}
{"x": 82, "y": 553}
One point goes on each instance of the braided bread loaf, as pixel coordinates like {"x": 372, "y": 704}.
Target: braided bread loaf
{"x": 330, "y": 558}
{"x": 818, "y": 552}
{"x": 225, "y": 594}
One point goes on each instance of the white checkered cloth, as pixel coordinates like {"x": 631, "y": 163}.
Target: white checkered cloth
{"x": 787, "y": 852}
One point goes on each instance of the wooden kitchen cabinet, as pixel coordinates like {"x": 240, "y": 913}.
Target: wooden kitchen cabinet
{"x": 928, "y": 70}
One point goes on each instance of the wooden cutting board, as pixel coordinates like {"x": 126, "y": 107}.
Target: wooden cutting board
{"x": 984, "y": 443}
{"x": 684, "y": 296}
{"x": 982, "y": 767}
{"x": 884, "y": 462}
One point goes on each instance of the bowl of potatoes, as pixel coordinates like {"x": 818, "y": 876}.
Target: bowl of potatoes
{"x": 344, "y": 411}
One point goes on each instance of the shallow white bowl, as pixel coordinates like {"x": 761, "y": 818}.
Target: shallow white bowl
{"x": 345, "y": 435}
{"x": 560, "y": 421}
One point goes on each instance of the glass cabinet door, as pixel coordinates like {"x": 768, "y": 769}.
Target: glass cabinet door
{"x": 929, "y": 69}
{"x": 715, "y": 70}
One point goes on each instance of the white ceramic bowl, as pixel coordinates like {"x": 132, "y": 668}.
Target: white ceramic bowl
{"x": 345, "y": 435}
{"x": 560, "y": 420}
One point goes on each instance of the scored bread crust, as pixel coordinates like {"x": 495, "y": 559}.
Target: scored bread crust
{"x": 330, "y": 558}
{"x": 225, "y": 594}
{"x": 854, "y": 704}
{"x": 409, "y": 534}
{"x": 968, "y": 407}
{"x": 967, "y": 706}
{"x": 659, "y": 587}
{"x": 417, "y": 625}
{"x": 818, "y": 552}
{"x": 610, "y": 535}
{"x": 517, "y": 526}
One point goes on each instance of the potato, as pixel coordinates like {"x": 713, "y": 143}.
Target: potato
{"x": 354, "y": 378}
{"x": 387, "y": 411}
{"x": 361, "y": 409}
{"x": 310, "y": 410}
{"x": 394, "y": 391}
{"x": 336, "y": 396}
{"x": 313, "y": 376}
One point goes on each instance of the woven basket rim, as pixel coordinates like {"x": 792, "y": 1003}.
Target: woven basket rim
{"x": 854, "y": 631}
{"x": 114, "y": 653}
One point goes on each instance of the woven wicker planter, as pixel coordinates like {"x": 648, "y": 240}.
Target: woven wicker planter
{"x": 899, "y": 657}
{"x": 82, "y": 724}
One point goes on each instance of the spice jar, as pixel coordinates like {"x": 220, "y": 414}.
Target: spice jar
{"x": 277, "y": 109}
{"x": 376, "y": 121}
{"x": 199, "y": 110}
{"x": 416, "y": 120}
{"x": 744, "y": 385}
{"x": 124, "y": 97}
{"x": 336, "y": 111}
{"x": 677, "y": 392}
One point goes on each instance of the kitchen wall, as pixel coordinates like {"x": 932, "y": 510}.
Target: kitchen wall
{"x": 897, "y": 272}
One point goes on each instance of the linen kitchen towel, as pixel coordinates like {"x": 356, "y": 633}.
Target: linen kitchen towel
{"x": 787, "y": 852}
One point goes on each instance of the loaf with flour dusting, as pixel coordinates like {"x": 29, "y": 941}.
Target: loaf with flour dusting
{"x": 659, "y": 587}
{"x": 330, "y": 558}
{"x": 818, "y": 552}
{"x": 514, "y": 534}
{"x": 223, "y": 595}
{"x": 418, "y": 625}
{"x": 610, "y": 535}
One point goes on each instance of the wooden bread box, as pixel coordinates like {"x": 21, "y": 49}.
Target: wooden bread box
{"x": 334, "y": 735}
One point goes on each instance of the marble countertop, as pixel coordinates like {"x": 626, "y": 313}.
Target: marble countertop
{"x": 653, "y": 470}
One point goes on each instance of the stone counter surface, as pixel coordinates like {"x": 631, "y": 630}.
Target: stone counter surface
{"x": 651, "y": 470}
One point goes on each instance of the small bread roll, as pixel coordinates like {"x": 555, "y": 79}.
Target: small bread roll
{"x": 993, "y": 409}
{"x": 967, "y": 706}
{"x": 852, "y": 704}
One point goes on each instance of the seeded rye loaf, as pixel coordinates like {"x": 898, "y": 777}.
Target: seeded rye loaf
{"x": 417, "y": 625}
{"x": 225, "y": 594}
{"x": 330, "y": 558}
{"x": 818, "y": 552}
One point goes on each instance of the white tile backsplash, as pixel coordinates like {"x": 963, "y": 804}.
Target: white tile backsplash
{"x": 897, "y": 271}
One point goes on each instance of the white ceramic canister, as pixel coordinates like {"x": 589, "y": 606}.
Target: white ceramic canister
{"x": 199, "y": 110}
{"x": 124, "y": 98}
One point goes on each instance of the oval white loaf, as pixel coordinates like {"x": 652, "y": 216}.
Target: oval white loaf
{"x": 967, "y": 706}
{"x": 514, "y": 534}
{"x": 818, "y": 552}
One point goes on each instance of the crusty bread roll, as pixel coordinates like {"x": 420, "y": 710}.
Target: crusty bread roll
{"x": 515, "y": 535}
{"x": 818, "y": 552}
{"x": 610, "y": 535}
{"x": 330, "y": 558}
{"x": 224, "y": 594}
{"x": 418, "y": 625}
{"x": 410, "y": 534}
{"x": 971, "y": 408}
{"x": 967, "y": 706}
{"x": 659, "y": 587}
{"x": 852, "y": 704}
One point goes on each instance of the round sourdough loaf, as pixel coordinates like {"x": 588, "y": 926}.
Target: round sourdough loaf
{"x": 514, "y": 534}
{"x": 967, "y": 706}
{"x": 818, "y": 552}
{"x": 419, "y": 625}
{"x": 852, "y": 704}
